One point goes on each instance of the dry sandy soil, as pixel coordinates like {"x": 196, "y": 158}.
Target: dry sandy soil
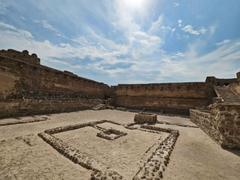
{"x": 24, "y": 155}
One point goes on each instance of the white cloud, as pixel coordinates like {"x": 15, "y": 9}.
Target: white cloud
{"x": 146, "y": 39}
{"x": 156, "y": 25}
{"x": 191, "y": 66}
{"x": 45, "y": 24}
{"x": 196, "y": 31}
{"x": 15, "y": 31}
{"x": 225, "y": 41}
{"x": 149, "y": 63}
{"x": 138, "y": 42}
{"x": 104, "y": 51}
{"x": 189, "y": 29}
{"x": 21, "y": 39}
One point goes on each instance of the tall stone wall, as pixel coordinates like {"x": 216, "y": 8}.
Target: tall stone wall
{"x": 23, "y": 82}
{"x": 166, "y": 97}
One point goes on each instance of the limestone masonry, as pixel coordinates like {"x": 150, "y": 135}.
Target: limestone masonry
{"x": 27, "y": 87}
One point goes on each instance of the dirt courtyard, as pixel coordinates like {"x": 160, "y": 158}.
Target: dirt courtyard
{"x": 26, "y": 156}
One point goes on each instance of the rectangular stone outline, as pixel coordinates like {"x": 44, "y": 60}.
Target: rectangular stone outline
{"x": 102, "y": 171}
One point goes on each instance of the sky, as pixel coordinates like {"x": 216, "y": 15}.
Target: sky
{"x": 127, "y": 41}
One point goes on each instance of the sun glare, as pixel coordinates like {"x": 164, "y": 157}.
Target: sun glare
{"x": 134, "y": 4}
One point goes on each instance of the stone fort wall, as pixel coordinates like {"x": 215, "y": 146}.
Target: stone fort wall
{"x": 28, "y": 87}
{"x": 165, "y": 97}
{"x": 174, "y": 98}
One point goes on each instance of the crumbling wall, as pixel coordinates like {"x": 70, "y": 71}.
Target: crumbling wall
{"x": 23, "y": 56}
{"x": 220, "y": 82}
{"x": 20, "y": 107}
{"x": 203, "y": 119}
{"x": 166, "y": 97}
{"x": 23, "y": 80}
{"x": 226, "y": 118}
{"x": 235, "y": 87}
{"x": 38, "y": 80}
{"x": 222, "y": 123}
{"x": 30, "y": 88}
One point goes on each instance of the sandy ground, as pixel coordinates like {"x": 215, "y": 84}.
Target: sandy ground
{"x": 23, "y": 155}
{"x": 28, "y": 157}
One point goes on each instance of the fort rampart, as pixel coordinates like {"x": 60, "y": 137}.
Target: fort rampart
{"x": 25, "y": 83}
{"x": 166, "y": 97}
{"x": 26, "y": 87}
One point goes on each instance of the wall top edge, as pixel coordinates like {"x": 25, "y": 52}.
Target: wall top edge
{"x": 66, "y": 73}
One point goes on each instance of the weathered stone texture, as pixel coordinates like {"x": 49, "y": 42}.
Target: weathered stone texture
{"x": 26, "y": 87}
{"x": 24, "y": 56}
{"x": 19, "y": 107}
{"x": 203, "y": 120}
{"x": 220, "y": 82}
{"x": 226, "y": 118}
{"x": 222, "y": 123}
{"x": 40, "y": 80}
{"x": 142, "y": 118}
{"x": 168, "y": 97}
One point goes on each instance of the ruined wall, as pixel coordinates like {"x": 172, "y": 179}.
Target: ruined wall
{"x": 222, "y": 123}
{"x": 203, "y": 120}
{"x": 23, "y": 82}
{"x": 226, "y": 118}
{"x": 23, "y": 56}
{"x": 166, "y": 97}
{"x": 220, "y": 82}
{"x": 235, "y": 87}
{"x": 238, "y": 76}
{"x": 20, "y": 107}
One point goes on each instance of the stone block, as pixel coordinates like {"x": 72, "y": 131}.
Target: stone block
{"x": 142, "y": 118}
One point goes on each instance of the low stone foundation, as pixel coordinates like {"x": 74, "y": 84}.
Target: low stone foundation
{"x": 111, "y": 134}
{"x": 152, "y": 168}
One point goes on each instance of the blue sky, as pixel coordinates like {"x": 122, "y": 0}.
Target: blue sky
{"x": 127, "y": 41}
